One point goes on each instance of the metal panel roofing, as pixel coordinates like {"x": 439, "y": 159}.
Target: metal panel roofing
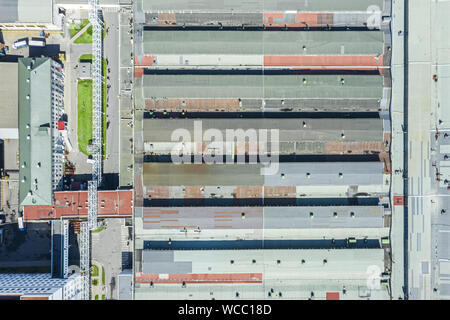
{"x": 35, "y": 136}
{"x": 259, "y": 86}
{"x": 289, "y": 174}
{"x": 175, "y": 218}
{"x": 259, "y": 5}
{"x": 300, "y": 129}
{"x": 261, "y": 42}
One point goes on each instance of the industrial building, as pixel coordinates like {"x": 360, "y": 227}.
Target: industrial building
{"x": 41, "y": 145}
{"x": 318, "y": 73}
{"x": 261, "y": 274}
{"x": 39, "y": 286}
{"x": 29, "y": 15}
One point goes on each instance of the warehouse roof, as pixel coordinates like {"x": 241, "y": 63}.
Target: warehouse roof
{"x": 26, "y": 11}
{"x": 259, "y": 5}
{"x": 35, "y": 136}
{"x": 263, "y": 43}
{"x": 9, "y": 122}
{"x": 289, "y": 174}
{"x": 258, "y": 86}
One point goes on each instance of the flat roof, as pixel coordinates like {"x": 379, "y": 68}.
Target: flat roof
{"x": 35, "y": 131}
{"x": 9, "y": 92}
{"x": 262, "y": 86}
{"x": 269, "y": 264}
{"x": 207, "y": 42}
{"x": 26, "y": 11}
{"x": 74, "y": 204}
{"x": 259, "y": 5}
{"x": 288, "y": 174}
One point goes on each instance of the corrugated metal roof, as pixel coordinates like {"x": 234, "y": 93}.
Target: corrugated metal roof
{"x": 175, "y": 218}
{"x": 263, "y": 43}
{"x": 289, "y": 174}
{"x": 299, "y": 129}
{"x": 262, "y": 86}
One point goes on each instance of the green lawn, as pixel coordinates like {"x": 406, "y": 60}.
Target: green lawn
{"x": 84, "y": 105}
{"x": 103, "y": 275}
{"x": 94, "y": 272}
{"x": 84, "y": 138}
{"x": 98, "y": 230}
{"x": 74, "y": 28}
{"x": 96, "y": 297}
{"x": 103, "y": 297}
{"x": 86, "y": 37}
{"x": 95, "y": 282}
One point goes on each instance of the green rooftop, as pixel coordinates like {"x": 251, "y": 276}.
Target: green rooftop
{"x": 35, "y": 136}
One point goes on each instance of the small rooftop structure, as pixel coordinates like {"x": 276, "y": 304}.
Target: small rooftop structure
{"x": 84, "y": 70}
